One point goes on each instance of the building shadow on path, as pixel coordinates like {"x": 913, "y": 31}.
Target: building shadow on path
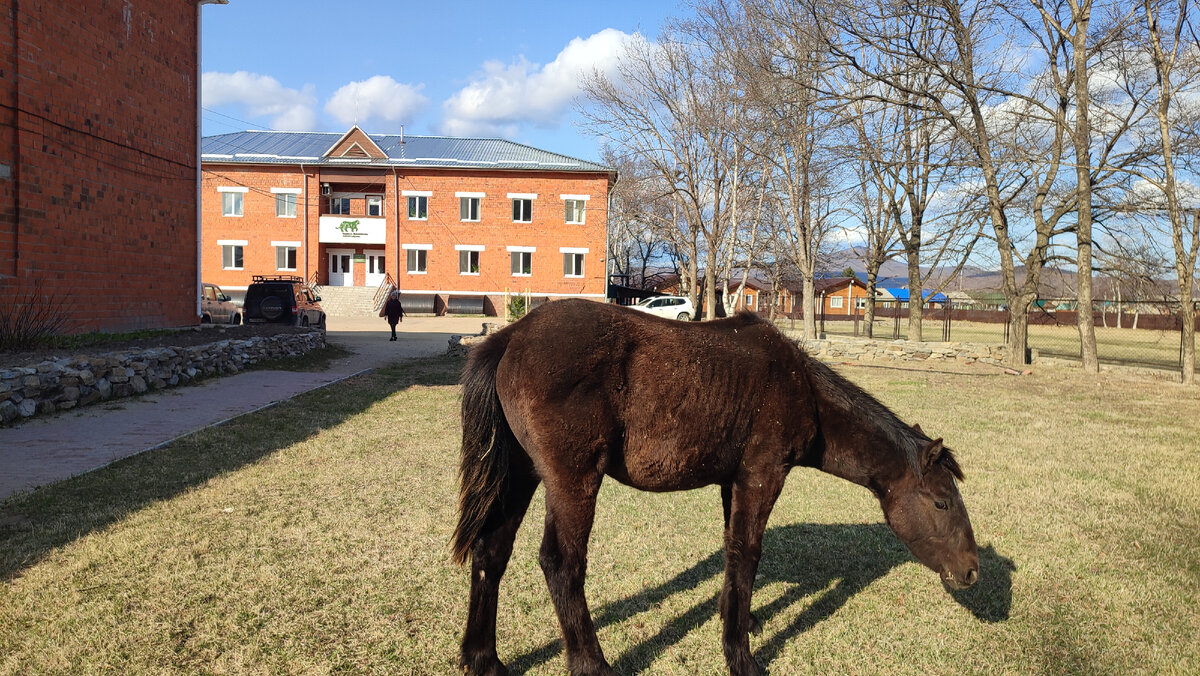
{"x": 832, "y": 561}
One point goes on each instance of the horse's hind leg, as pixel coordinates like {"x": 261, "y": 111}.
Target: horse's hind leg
{"x": 755, "y": 626}
{"x": 569, "y": 515}
{"x": 489, "y": 559}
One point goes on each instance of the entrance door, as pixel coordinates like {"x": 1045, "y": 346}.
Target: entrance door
{"x": 341, "y": 267}
{"x": 375, "y": 269}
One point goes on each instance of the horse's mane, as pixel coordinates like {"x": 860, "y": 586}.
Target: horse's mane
{"x": 849, "y": 398}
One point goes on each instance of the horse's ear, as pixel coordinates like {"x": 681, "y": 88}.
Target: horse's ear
{"x": 917, "y": 428}
{"x": 933, "y": 451}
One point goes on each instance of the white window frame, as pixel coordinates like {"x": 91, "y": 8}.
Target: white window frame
{"x": 477, "y": 197}
{"x": 523, "y": 197}
{"x": 339, "y": 198}
{"x": 234, "y": 244}
{"x": 418, "y": 197}
{"x": 377, "y": 199}
{"x": 580, "y": 211}
{"x": 476, "y": 249}
{"x": 421, "y": 258}
{"x": 294, "y": 246}
{"x": 226, "y": 209}
{"x": 835, "y": 302}
{"x": 574, "y": 251}
{"x": 281, "y": 198}
{"x": 522, "y": 250}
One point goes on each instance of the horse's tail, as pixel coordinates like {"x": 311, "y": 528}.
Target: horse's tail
{"x": 487, "y": 442}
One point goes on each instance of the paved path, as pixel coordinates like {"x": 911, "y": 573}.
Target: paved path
{"x": 48, "y": 449}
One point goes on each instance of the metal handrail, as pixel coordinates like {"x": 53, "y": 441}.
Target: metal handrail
{"x": 312, "y": 283}
{"x": 385, "y": 289}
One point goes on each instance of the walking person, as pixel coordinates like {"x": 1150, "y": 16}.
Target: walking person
{"x": 394, "y": 312}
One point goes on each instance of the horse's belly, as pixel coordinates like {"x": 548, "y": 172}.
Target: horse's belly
{"x": 659, "y": 469}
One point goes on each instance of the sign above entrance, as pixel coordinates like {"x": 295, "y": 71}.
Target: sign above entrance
{"x": 352, "y": 230}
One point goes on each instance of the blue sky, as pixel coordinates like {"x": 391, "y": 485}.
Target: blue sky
{"x": 458, "y": 68}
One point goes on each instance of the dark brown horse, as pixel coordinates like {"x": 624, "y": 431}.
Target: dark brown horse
{"x": 577, "y": 390}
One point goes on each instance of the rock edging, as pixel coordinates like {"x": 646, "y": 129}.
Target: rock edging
{"x": 460, "y": 346}
{"x": 62, "y": 384}
{"x": 837, "y": 348}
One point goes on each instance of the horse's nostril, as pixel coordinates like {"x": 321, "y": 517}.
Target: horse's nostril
{"x": 972, "y": 576}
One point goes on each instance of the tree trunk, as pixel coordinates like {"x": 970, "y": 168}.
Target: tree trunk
{"x": 1018, "y": 332}
{"x": 1187, "y": 312}
{"x": 915, "y": 298}
{"x": 1083, "y": 178}
{"x": 872, "y": 274}
{"x": 810, "y": 308}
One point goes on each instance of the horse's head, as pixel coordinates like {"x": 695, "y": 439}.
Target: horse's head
{"x": 924, "y": 509}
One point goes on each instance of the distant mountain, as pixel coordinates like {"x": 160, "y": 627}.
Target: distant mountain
{"x": 1055, "y": 281}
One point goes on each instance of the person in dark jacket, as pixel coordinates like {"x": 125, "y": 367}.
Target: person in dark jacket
{"x": 394, "y": 312}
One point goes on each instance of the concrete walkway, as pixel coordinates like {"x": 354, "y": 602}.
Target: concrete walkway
{"x": 57, "y": 447}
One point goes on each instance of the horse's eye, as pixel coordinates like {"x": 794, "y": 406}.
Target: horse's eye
{"x": 941, "y": 504}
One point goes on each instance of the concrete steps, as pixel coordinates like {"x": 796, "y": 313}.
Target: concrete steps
{"x": 348, "y": 301}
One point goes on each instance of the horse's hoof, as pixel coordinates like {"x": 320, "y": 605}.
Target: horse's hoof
{"x": 482, "y": 665}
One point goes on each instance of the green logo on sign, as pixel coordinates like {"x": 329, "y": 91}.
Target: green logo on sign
{"x": 348, "y": 226}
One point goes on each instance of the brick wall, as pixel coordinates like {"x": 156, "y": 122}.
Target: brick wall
{"x": 547, "y": 231}
{"x": 98, "y": 122}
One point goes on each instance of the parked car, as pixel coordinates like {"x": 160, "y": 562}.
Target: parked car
{"x": 216, "y": 307}
{"x": 672, "y": 307}
{"x": 283, "y": 299}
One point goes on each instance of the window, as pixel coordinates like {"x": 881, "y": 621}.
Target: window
{"x": 231, "y": 256}
{"x": 285, "y": 258}
{"x": 860, "y": 303}
{"x": 468, "y": 262}
{"x": 835, "y": 301}
{"x": 417, "y": 261}
{"x": 522, "y": 210}
{"x": 575, "y": 210}
{"x": 374, "y": 205}
{"x": 285, "y": 205}
{"x": 749, "y": 302}
{"x": 522, "y": 263}
{"x": 339, "y": 205}
{"x": 572, "y": 265}
{"x": 418, "y": 207}
{"x": 231, "y": 204}
{"x": 468, "y": 208}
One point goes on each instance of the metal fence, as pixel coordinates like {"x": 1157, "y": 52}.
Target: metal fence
{"x": 1128, "y": 332}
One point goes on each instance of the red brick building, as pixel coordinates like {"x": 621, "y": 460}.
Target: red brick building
{"x": 451, "y": 222}
{"x": 98, "y": 159}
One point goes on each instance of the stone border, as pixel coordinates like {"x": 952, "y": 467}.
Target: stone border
{"x": 63, "y": 384}
{"x": 838, "y": 348}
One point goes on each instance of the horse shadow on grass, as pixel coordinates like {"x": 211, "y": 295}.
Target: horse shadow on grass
{"x": 35, "y": 523}
{"x": 832, "y": 561}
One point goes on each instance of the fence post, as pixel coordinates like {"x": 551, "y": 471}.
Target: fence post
{"x": 822, "y": 329}
{"x": 946, "y": 322}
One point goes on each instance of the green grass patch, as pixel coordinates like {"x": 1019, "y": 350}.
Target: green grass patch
{"x": 312, "y": 538}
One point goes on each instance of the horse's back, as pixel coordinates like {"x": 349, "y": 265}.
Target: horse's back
{"x": 658, "y": 404}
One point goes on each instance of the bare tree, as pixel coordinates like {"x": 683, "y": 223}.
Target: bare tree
{"x": 1172, "y": 46}
{"x": 639, "y": 214}
{"x": 672, "y": 104}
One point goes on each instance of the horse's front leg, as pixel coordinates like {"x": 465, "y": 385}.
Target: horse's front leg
{"x": 726, "y": 506}
{"x": 752, "y": 498}
{"x": 563, "y": 557}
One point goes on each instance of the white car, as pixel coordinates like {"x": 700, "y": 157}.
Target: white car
{"x": 671, "y": 307}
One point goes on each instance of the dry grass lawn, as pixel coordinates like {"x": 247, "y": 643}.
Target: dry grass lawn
{"x": 312, "y": 539}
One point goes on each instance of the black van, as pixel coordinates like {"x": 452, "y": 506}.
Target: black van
{"x": 282, "y": 299}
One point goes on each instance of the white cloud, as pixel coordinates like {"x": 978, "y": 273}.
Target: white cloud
{"x": 262, "y": 95}
{"x": 502, "y": 97}
{"x": 378, "y": 99}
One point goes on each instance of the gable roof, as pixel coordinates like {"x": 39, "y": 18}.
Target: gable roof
{"x": 394, "y": 150}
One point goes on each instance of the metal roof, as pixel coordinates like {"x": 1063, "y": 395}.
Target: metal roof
{"x": 443, "y": 152}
